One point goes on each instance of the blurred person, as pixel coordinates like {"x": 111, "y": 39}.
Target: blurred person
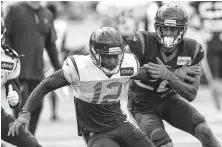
{"x": 150, "y": 15}
{"x": 209, "y": 14}
{"x": 29, "y": 30}
{"x": 98, "y": 80}
{"x": 10, "y": 89}
{"x": 127, "y": 19}
{"x": 61, "y": 31}
{"x": 127, "y": 23}
{"x": 174, "y": 77}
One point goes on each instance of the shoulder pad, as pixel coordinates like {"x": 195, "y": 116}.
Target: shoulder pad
{"x": 133, "y": 37}
{"x": 195, "y": 49}
{"x": 130, "y": 62}
{"x": 70, "y": 70}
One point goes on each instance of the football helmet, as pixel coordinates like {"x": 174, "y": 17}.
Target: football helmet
{"x": 107, "y": 49}
{"x": 170, "y": 17}
{"x": 3, "y": 31}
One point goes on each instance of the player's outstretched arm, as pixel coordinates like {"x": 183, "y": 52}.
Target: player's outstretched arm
{"x": 187, "y": 73}
{"x": 53, "y": 82}
{"x": 186, "y": 90}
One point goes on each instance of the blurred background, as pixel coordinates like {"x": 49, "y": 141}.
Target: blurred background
{"x": 75, "y": 21}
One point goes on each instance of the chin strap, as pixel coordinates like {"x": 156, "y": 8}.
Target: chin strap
{"x": 10, "y": 52}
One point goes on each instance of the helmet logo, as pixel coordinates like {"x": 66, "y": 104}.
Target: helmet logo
{"x": 168, "y": 22}
{"x": 115, "y": 49}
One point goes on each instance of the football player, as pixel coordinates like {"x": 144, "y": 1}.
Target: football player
{"x": 210, "y": 17}
{"x": 98, "y": 80}
{"x": 174, "y": 77}
{"x": 10, "y": 70}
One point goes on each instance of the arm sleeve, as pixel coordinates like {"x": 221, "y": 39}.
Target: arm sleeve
{"x": 53, "y": 82}
{"x": 16, "y": 86}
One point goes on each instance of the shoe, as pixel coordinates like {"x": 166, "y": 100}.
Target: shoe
{"x": 55, "y": 118}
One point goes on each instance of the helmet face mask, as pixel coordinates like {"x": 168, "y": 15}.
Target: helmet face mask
{"x": 170, "y": 25}
{"x": 110, "y": 63}
{"x": 3, "y": 31}
{"x": 169, "y": 36}
{"x": 107, "y": 49}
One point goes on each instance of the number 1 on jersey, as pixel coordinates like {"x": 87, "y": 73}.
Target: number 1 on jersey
{"x": 98, "y": 88}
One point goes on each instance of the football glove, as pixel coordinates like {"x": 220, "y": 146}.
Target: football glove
{"x": 158, "y": 70}
{"x": 12, "y": 97}
{"x": 22, "y": 121}
{"x": 187, "y": 72}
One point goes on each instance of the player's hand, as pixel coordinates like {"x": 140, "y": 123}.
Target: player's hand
{"x": 158, "y": 70}
{"x": 21, "y": 121}
{"x": 12, "y": 97}
{"x": 187, "y": 72}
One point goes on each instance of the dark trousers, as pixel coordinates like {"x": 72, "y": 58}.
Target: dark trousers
{"x": 27, "y": 86}
{"x": 214, "y": 56}
{"x": 54, "y": 101}
{"x": 174, "y": 109}
{"x": 125, "y": 135}
{"x": 24, "y": 139}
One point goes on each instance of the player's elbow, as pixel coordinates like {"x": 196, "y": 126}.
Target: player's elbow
{"x": 191, "y": 98}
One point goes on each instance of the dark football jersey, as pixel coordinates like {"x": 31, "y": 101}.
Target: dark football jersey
{"x": 188, "y": 50}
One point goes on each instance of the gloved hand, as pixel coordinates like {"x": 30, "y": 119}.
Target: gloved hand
{"x": 22, "y": 121}
{"x": 186, "y": 72}
{"x": 13, "y": 96}
{"x": 158, "y": 70}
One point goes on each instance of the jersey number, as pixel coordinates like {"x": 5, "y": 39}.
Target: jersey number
{"x": 107, "y": 98}
{"x": 161, "y": 88}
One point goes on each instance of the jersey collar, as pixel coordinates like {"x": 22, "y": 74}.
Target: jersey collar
{"x": 170, "y": 57}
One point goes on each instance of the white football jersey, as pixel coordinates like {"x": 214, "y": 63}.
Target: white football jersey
{"x": 10, "y": 67}
{"x": 92, "y": 85}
